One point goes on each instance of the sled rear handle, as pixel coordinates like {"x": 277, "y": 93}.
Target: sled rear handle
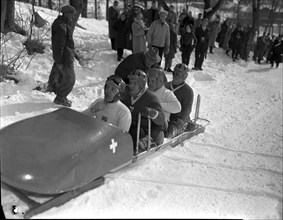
{"x": 197, "y": 109}
{"x": 138, "y": 133}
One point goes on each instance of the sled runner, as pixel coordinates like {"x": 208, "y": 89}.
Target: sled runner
{"x": 64, "y": 153}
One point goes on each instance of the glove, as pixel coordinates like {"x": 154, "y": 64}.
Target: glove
{"x": 149, "y": 112}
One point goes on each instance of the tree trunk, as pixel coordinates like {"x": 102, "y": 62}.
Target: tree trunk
{"x": 40, "y": 3}
{"x": 84, "y": 11}
{"x": 9, "y": 22}
{"x": 95, "y": 9}
{"x": 163, "y": 4}
{"x": 256, "y": 7}
{"x": 79, "y": 6}
{"x": 210, "y": 11}
{"x": 107, "y": 8}
{"x": 3, "y": 14}
{"x": 238, "y": 11}
{"x": 50, "y": 4}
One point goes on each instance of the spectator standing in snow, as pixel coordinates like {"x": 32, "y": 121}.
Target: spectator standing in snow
{"x": 202, "y": 44}
{"x": 133, "y": 13}
{"x": 151, "y": 14}
{"x": 168, "y": 101}
{"x": 110, "y": 109}
{"x": 277, "y": 51}
{"x": 187, "y": 41}
{"x": 142, "y": 61}
{"x": 113, "y": 15}
{"x": 158, "y": 35}
{"x": 221, "y": 35}
{"x": 171, "y": 18}
{"x": 185, "y": 95}
{"x": 180, "y": 24}
{"x": 226, "y": 45}
{"x": 172, "y": 49}
{"x": 140, "y": 100}
{"x": 235, "y": 41}
{"x": 198, "y": 21}
{"x": 62, "y": 77}
{"x": 260, "y": 48}
{"x": 214, "y": 29}
{"x": 189, "y": 19}
{"x": 121, "y": 37}
{"x": 138, "y": 31}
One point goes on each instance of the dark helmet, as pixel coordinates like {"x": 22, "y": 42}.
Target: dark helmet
{"x": 139, "y": 76}
{"x": 117, "y": 81}
{"x": 181, "y": 68}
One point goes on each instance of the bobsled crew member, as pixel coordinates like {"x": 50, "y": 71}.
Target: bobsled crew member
{"x": 140, "y": 100}
{"x": 62, "y": 77}
{"x": 185, "y": 95}
{"x": 168, "y": 100}
{"x": 110, "y": 109}
{"x": 142, "y": 61}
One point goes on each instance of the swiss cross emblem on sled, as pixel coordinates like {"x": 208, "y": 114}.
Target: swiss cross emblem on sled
{"x": 113, "y": 145}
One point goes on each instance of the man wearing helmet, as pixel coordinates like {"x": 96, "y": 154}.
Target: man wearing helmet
{"x": 168, "y": 101}
{"x": 140, "y": 100}
{"x": 110, "y": 109}
{"x": 185, "y": 95}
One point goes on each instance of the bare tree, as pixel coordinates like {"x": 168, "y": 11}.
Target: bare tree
{"x": 7, "y": 16}
{"x": 209, "y": 11}
{"x": 256, "y": 8}
{"x": 50, "y": 4}
{"x": 84, "y": 11}
{"x": 79, "y": 6}
{"x": 274, "y": 5}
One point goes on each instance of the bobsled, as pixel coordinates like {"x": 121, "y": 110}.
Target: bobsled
{"x": 64, "y": 153}
{"x": 60, "y": 151}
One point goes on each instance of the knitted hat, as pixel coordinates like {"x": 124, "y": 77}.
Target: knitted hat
{"x": 68, "y": 9}
{"x": 152, "y": 55}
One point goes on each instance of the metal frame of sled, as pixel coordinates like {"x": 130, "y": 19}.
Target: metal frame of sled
{"x": 56, "y": 200}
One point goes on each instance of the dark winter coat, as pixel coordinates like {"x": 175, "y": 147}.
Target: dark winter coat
{"x": 63, "y": 46}
{"x": 221, "y": 35}
{"x": 122, "y": 31}
{"x": 173, "y": 45}
{"x": 130, "y": 63}
{"x": 235, "y": 39}
{"x": 113, "y": 15}
{"x": 150, "y": 15}
{"x": 146, "y": 100}
{"x": 277, "y": 51}
{"x": 185, "y": 95}
{"x": 202, "y": 45}
{"x": 188, "y": 38}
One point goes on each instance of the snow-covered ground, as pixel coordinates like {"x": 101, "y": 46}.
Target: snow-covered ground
{"x": 233, "y": 170}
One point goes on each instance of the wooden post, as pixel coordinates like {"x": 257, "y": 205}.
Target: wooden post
{"x": 95, "y": 9}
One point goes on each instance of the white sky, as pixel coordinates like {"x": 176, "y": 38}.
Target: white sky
{"x": 233, "y": 170}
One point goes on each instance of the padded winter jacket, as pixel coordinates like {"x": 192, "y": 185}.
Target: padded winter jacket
{"x": 62, "y": 41}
